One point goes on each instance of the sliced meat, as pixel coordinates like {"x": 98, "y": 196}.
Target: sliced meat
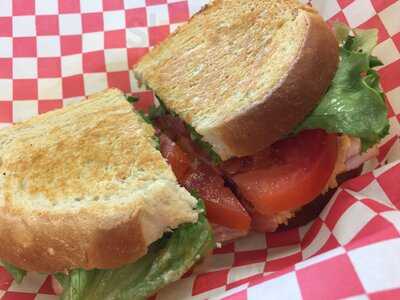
{"x": 359, "y": 159}
{"x": 350, "y": 157}
{"x": 264, "y": 223}
{"x": 224, "y": 234}
{"x": 172, "y": 126}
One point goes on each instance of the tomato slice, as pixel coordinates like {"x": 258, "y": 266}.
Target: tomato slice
{"x": 222, "y": 206}
{"x": 178, "y": 160}
{"x": 301, "y": 168}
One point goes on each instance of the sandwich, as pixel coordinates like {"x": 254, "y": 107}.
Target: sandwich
{"x": 86, "y": 196}
{"x": 260, "y": 106}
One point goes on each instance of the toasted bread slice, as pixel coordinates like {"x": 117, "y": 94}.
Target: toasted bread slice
{"x": 243, "y": 73}
{"x": 84, "y": 187}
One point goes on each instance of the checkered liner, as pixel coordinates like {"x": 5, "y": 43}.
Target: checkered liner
{"x": 54, "y": 52}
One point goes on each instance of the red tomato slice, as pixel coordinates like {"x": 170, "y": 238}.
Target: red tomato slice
{"x": 178, "y": 160}
{"x": 302, "y": 166}
{"x": 222, "y": 206}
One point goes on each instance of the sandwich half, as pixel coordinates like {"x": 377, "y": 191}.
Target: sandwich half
{"x": 85, "y": 188}
{"x": 243, "y": 73}
{"x": 266, "y": 101}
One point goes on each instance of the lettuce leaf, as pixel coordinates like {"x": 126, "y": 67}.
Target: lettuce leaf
{"x": 167, "y": 260}
{"x": 354, "y": 103}
{"x": 132, "y": 99}
{"x": 17, "y": 273}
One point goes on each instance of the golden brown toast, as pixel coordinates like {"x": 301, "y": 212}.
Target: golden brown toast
{"x": 243, "y": 73}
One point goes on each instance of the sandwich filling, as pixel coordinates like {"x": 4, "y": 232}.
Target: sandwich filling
{"x": 266, "y": 189}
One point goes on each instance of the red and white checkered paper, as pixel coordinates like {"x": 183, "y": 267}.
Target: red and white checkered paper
{"x": 55, "y": 52}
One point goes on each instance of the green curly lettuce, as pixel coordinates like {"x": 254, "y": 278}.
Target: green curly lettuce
{"x": 354, "y": 103}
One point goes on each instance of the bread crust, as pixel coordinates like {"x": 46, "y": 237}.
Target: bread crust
{"x": 84, "y": 187}
{"x": 289, "y": 102}
{"x": 57, "y": 243}
{"x": 240, "y": 110}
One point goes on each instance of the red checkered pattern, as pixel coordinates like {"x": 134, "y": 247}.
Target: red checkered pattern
{"x": 53, "y": 53}
{"x": 56, "y": 52}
